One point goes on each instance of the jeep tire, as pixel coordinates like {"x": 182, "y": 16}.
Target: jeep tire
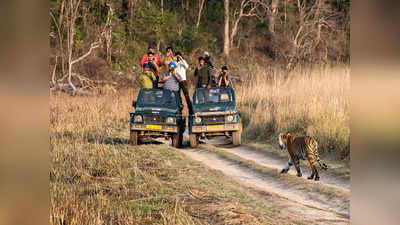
{"x": 194, "y": 140}
{"x": 237, "y": 136}
{"x": 134, "y": 139}
{"x": 177, "y": 140}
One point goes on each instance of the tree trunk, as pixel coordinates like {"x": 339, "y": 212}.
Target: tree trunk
{"x": 226, "y": 28}
{"x": 201, "y": 4}
{"x": 272, "y": 16}
{"x": 162, "y": 7}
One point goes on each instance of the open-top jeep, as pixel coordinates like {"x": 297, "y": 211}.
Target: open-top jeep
{"x": 215, "y": 114}
{"x": 158, "y": 113}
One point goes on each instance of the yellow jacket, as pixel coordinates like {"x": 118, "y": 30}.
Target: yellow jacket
{"x": 146, "y": 79}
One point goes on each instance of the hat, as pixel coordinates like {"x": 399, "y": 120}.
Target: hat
{"x": 169, "y": 47}
{"x": 201, "y": 58}
{"x": 172, "y": 63}
{"x": 206, "y": 53}
{"x": 178, "y": 53}
{"x": 152, "y": 46}
{"x": 224, "y": 68}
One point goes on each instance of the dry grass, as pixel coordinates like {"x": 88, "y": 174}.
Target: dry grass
{"x": 311, "y": 102}
{"x": 97, "y": 178}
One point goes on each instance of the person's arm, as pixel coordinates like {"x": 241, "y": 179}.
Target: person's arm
{"x": 177, "y": 76}
{"x": 196, "y": 72}
{"x": 185, "y": 64}
{"x": 157, "y": 69}
{"x": 166, "y": 76}
{"x": 158, "y": 61}
{"x": 219, "y": 81}
{"x": 209, "y": 78}
{"x": 153, "y": 77}
{"x": 226, "y": 80}
{"x": 144, "y": 59}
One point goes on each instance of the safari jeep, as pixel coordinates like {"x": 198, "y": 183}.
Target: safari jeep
{"x": 158, "y": 113}
{"x": 215, "y": 114}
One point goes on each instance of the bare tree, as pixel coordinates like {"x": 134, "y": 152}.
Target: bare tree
{"x": 60, "y": 34}
{"x": 201, "y": 4}
{"x": 272, "y": 16}
{"x": 247, "y": 9}
{"x": 72, "y": 13}
{"x": 226, "y": 28}
{"x": 108, "y": 35}
{"x": 162, "y": 7}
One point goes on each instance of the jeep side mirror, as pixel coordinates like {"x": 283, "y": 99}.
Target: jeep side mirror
{"x": 134, "y": 104}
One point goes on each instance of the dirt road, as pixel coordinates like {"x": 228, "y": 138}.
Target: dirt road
{"x": 294, "y": 198}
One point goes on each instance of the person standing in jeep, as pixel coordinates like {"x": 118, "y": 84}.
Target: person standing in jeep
{"x": 171, "y": 78}
{"x": 204, "y": 79}
{"x": 208, "y": 61}
{"x": 181, "y": 67}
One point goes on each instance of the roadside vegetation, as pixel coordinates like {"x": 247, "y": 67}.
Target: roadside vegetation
{"x": 306, "y": 101}
{"x": 96, "y": 177}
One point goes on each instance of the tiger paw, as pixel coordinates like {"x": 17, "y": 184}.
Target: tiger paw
{"x": 284, "y": 171}
{"x": 299, "y": 174}
{"x": 316, "y": 178}
{"x": 310, "y": 177}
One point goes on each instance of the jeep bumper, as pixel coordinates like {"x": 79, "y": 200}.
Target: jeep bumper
{"x": 215, "y": 128}
{"x": 154, "y": 128}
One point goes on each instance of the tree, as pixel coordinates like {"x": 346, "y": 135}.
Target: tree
{"x": 201, "y": 4}
{"x": 272, "y": 16}
{"x": 226, "y": 28}
{"x": 247, "y": 8}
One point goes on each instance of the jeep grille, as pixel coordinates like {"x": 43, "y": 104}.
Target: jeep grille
{"x": 154, "y": 119}
{"x": 213, "y": 119}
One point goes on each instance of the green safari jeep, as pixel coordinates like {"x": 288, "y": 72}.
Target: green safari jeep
{"x": 215, "y": 114}
{"x": 158, "y": 113}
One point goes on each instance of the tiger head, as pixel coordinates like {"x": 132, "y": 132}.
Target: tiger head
{"x": 283, "y": 138}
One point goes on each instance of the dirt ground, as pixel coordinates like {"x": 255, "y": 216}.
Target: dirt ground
{"x": 296, "y": 199}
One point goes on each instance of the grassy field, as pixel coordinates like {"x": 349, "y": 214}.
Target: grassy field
{"x": 96, "y": 177}
{"x": 313, "y": 102}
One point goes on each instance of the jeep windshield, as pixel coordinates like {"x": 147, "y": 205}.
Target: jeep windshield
{"x": 157, "y": 98}
{"x": 213, "y": 96}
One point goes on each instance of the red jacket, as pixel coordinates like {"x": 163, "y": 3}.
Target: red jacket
{"x": 144, "y": 59}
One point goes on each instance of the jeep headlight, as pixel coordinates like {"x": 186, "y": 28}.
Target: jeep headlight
{"x": 138, "y": 119}
{"x": 170, "y": 120}
{"x": 197, "y": 120}
{"x": 229, "y": 119}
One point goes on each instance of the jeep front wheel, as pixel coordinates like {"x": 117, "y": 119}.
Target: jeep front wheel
{"x": 194, "y": 140}
{"x": 236, "y": 138}
{"x": 134, "y": 137}
{"x": 176, "y": 140}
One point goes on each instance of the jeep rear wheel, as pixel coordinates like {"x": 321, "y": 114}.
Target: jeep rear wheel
{"x": 194, "y": 140}
{"x": 177, "y": 140}
{"x": 134, "y": 137}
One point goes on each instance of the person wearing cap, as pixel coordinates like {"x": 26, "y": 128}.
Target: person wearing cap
{"x": 224, "y": 80}
{"x": 208, "y": 61}
{"x": 147, "y": 77}
{"x": 145, "y": 59}
{"x": 181, "y": 67}
{"x": 169, "y": 57}
{"x": 171, "y": 78}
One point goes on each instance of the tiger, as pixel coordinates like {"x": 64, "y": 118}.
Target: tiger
{"x": 300, "y": 148}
